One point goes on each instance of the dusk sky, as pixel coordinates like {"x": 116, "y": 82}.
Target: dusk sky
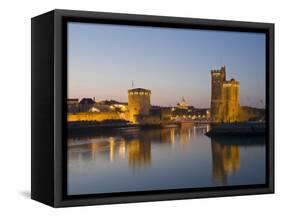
{"x": 173, "y": 63}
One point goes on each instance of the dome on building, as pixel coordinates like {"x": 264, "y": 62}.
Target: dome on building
{"x": 182, "y": 104}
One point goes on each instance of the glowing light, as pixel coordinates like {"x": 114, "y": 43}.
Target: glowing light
{"x": 111, "y": 148}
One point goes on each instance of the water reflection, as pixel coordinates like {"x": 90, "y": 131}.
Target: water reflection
{"x": 226, "y": 154}
{"x": 139, "y": 152}
{"x": 135, "y": 146}
{"x": 226, "y": 160}
{"x": 172, "y": 158}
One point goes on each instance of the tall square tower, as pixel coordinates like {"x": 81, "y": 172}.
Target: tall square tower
{"x": 218, "y": 78}
{"x": 224, "y": 98}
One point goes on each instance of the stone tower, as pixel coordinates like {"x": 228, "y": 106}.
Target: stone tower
{"x": 218, "y": 78}
{"x": 230, "y": 91}
{"x": 224, "y": 97}
{"x": 138, "y": 103}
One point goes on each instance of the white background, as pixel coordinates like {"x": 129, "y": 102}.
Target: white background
{"x": 15, "y": 106}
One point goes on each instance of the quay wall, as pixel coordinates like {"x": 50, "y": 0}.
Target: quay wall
{"x": 93, "y": 116}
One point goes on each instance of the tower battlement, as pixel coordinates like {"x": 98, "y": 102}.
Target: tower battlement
{"x": 219, "y": 71}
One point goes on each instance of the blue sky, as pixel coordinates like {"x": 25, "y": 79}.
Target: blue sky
{"x": 103, "y": 60}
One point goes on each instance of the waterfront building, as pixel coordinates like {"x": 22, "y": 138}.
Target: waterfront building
{"x": 97, "y": 107}
{"x": 86, "y": 104}
{"x": 247, "y": 113}
{"x": 230, "y": 94}
{"x": 224, "y": 97}
{"x": 191, "y": 113}
{"x": 138, "y": 103}
{"x": 182, "y": 104}
{"x": 73, "y": 105}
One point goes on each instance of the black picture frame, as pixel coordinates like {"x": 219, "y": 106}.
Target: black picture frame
{"x": 48, "y": 74}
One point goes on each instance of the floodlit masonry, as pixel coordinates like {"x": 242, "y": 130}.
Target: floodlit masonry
{"x": 224, "y": 107}
{"x": 225, "y": 97}
{"x": 138, "y": 103}
{"x": 93, "y": 116}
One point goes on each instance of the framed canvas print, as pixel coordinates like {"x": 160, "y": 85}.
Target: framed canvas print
{"x": 130, "y": 108}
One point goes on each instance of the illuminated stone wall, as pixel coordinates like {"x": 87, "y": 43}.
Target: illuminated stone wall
{"x": 224, "y": 97}
{"x": 230, "y": 95}
{"x": 251, "y": 114}
{"x": 92, "y": 116}
{"x": 138, "y": 103}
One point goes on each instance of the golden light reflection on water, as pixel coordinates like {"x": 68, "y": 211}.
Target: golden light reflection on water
{"x": 226, "y": 160}
{"x": 136, "y": 149}
{"x": 122, "y": 149}
{"x": 184, "y": 134}
{"x": 139, "y": 153}
{"x": 111, "y": 141}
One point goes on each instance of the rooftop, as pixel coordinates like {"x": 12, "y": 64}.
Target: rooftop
{"x": 139, "y": 90}
{"x": 231, "y": 81}
{"x": 72, "y": 99}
